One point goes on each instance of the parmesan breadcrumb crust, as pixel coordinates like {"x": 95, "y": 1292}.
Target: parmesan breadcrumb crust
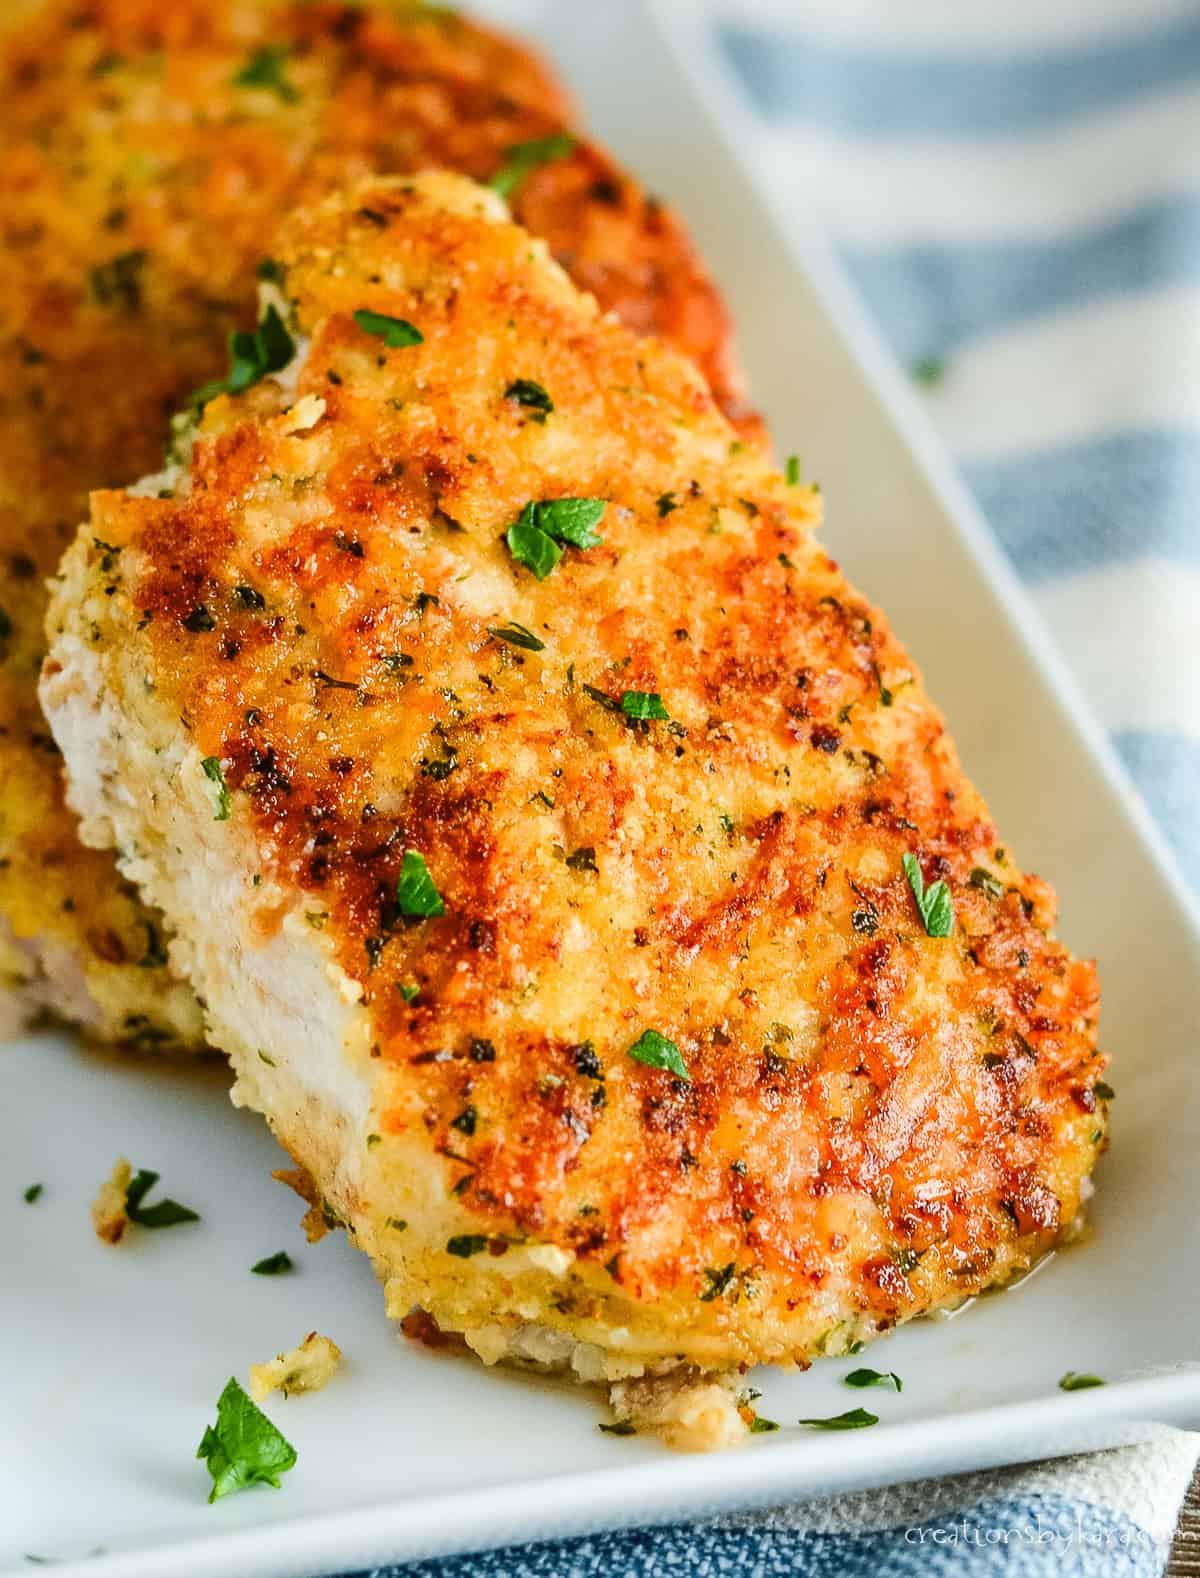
{"x": 558, "y": 918}
{"x": 148, "y": 151}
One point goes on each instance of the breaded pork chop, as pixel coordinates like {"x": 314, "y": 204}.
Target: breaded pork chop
{"x": 147, "y": 153}
{"x": 572, "y": 862}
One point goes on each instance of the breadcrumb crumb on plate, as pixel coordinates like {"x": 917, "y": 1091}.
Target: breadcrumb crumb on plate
{"x": 110, "y": 1208}
{"x": 306, "y": 1368}
{"x": 691, "y": 1413}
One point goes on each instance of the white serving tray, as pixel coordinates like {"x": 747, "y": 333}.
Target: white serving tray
{"x": 114, "y": 1359}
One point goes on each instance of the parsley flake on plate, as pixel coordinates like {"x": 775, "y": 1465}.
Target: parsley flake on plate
{"x": 396, "y": 333}
{"x": 524, "y": 157}
{"x": 243, "y": 1448}
{"x": 934, "y": 903}
{"x": 1072, "y": 1381}
{"x": 167, "y": 1213}
{"x": 32, "y": 1194}
{"x": 274, "y": 1265}
{"x": 854, "y": 1419}
{"x": 658, "y": 1051}
{"x": 865, "y": 1377}
{"x": 415, "y": 891}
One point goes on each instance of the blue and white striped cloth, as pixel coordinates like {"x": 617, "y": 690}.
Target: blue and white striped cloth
{"x": 1014, "y": 186}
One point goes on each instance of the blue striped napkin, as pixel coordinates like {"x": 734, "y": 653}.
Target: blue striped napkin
{"x": 1014, "y": 186}
{"x": 1015, "y": 190}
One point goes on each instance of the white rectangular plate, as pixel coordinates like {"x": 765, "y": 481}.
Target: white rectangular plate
{"x": 114, "y": 1359}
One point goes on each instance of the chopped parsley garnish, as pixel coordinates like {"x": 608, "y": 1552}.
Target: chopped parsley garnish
{"x": 1103, "y": 1090}
{"x": 440, "y": 767}
{"x": 665, "y": 503}
{"x": 466, "y": 1122}
{"x": 243, "y": 1448}
{"x": 1072, "y": 1381}
{"x": 265, "y": 69}
{"x": 534, "y": 540}
{"x": 270, "y": 271}
{"x": 396, "y": 333}
{"x": 464, "y": 1245}
{"x": 643, "y": 705}
{"x": 267, "y": 350}
{"x": 532, "y": 396}
{"x": 32, "y": 1194}
{"x": 716, "y": 1282}
{"x": 531, "y": 546}
{"x": 252, "y": 356}
{"x": 415, "y": 892}
{"x": 583, "y": 859}
{"x": 602, "y": 698}
{"x": 118, "y": 283}
{"x": 199, "y": 622}
{"x": 657, "y": 1051}
{"x": 622, "y": 1427}
{"x": 587, "y": 1062}
{"x": 855, "y": 1419}
{"x": 248, "y": 597}
{"x": 933, "y": 903}
{"x": 408, "y": 993}
{"x": 167, "y": 1213}
{"x": 929, "y": 371}
{"x": 760, "y": 1426}
{"x": 570, "y": 520}
{"x": 983, "y": 879}
{"x": 791, "y": 472}
{"x": 862, "y": 1378}
{"x": 517, "y": 636}
{"x": 524, "y": 157}
{"x": 213, "y": 772}
{"x": 274, "y": 1265}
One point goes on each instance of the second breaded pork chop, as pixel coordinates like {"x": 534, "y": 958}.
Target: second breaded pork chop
{"x": 572, "y": 862}
{"x": 148, "y": 150}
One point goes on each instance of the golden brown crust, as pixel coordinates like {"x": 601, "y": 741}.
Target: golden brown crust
{"x": 873, "y": 1114}
{"x": 139, "y": 187}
